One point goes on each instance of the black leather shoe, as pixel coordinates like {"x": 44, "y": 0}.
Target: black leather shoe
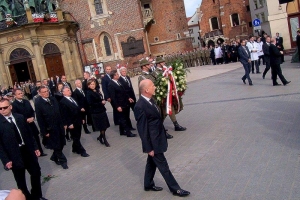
{"x": 181, "y": 193}
{"x": 43, "y": 198}
{"x": 154, "y": 188}
{"x": 287, "y": 82}
{"x": 180, "y": 128}
{"x": 244, "y": 81}
{"x": 250, "y": 84}
{"x": 277, "y": 84}
{"x": 131, "y": 135}
{"x": 85, "y": 155}
{"x": 64, "y": 166}
{"x": 43, "y": 154}
{"x": 169, "y": 136}
{"x": 263, "y": 77}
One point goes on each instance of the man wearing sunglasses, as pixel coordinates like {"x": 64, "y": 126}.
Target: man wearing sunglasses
{"x": 19, "y": 151}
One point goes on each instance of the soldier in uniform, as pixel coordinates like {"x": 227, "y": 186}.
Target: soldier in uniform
{"x": 207, "y": 56}
{"x": 160, "y": 62}
{"x": 199, "y": 59}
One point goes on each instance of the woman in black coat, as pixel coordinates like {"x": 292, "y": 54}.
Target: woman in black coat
{"x": 97, "y": 109}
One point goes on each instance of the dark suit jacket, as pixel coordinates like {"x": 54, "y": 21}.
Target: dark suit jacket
{"x": 27, "y": 111}
{"x": 128, "y": 89}
{"x": 275, "y": 55}
{"x": 150, "y": 127}
{"x": 118, "y": 95}
{"x": 50, "y": 121}
{"x": 266, "y": 50}
{"x": 71, "y": 113}
{"x": 243, "y": 56}
{"x": 80, "y": 98}
{"x": 279, "y": 42}
{"x": 298, "y": 41}
{"x": 9, "y": 147}
{"x": 104, "y": 83}
{"x": 94, "y": 100}
{"x": 58, "y": 96}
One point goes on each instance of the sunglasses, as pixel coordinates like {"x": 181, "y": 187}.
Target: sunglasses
{"x": 4, "y": 108}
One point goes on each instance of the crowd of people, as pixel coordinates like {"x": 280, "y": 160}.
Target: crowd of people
{"x": 61, "y": 112}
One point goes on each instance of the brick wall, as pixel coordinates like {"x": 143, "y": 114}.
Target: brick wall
{"x": 210, "y": 9}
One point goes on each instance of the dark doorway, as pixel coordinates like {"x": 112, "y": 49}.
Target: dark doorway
{"x": 22, "y": 71}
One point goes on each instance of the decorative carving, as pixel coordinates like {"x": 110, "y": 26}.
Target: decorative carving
{"x": 66, "y": 39}
{"x": 1, "y": 51}
{"x": 19, "y": 54}
{"x": 14, "y": 38}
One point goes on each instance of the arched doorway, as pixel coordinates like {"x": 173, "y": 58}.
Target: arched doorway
{"x": 21, "y": 67}
{"x": 53, "y": 60}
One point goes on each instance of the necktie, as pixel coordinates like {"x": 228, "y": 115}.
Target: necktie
{"x": 154, "y": 104}
{"x": 17, "y": 134}
{"x": 73, "y": 101}
{"x": 48, "y": 100}
{"x": 127, "y": 81}
{"x": 82, "y": 93}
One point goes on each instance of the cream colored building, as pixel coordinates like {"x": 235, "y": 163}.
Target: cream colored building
{"x": 273, "y": 17}
{"x": 36, "y": 50}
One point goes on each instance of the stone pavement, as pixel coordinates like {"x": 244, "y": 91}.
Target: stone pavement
{"x": 241, "y": 142}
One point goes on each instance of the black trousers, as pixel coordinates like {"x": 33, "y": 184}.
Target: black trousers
{"x": 76, "y": 135}
{"x": 58, "y": 156}
{"x": 267, "y": 67}
{"x": 159, "y": 161}
{"x": 276, "y": 70}
{"x": 124, "y": 120}
{"x": 256, "y": 66}
{"x": 32, "y": 166}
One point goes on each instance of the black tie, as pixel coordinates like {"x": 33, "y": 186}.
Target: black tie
{"x": 17, "y": 134}
{"x": 154, "y": 104}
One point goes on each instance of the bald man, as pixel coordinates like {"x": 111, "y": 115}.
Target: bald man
{"x": 275, "y": 61}
{"x": 154, "y": 140}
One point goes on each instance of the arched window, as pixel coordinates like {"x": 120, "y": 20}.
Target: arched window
{"x": 235, "y": 20}
{"x": 214, "y": 23}
{"x": 98, "y": 7}
{"x": 107, "y": 46}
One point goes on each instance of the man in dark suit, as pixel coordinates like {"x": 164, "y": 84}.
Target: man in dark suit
{"x": 266, "y": 50}
{"x": 18, "y": 150}
{"x": 245, "y": 59}
{"x": 72, "y": 120}
{"x": 279, "y": 45}
{"x": 52, "y": 85}
{"x": 23, "y": 107}
{"x": 79, "y": 96}
{"x": 154, "y": 140}
{"x": 127, "y": 85}
{"x": 120, "y": 101}
{"x": 51, "y": 125}
{"x": 35, "y": 90}
{"x": 298, "y": 44}
{"x": 275, "y": 61}
{"x": 104, "y": 83}
{"x": 64, "y": 82}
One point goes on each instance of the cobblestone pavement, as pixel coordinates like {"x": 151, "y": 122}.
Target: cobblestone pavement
{"x": 241, "y": 142}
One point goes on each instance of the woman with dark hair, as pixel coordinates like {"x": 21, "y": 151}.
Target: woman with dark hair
{"x": 97, "y": 109}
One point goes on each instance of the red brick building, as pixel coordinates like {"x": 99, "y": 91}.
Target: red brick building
{"x": 124, "y": 31}
{"x": 226, "y": 19}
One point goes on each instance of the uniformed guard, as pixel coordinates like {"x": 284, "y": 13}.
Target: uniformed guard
{"x": 207, "y": 56}
{"x": 199, "y": 59}
{"x": 160, "y": 63}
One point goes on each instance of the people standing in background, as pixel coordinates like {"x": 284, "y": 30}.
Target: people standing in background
{"x": 260, "y": 51}
{"x": 218, "y": 54}
{"x": 253, "y": 48}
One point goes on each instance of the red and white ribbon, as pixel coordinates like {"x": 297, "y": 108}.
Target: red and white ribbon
{"x": 172, "y": 89}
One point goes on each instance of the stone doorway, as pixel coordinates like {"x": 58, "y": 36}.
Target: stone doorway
{"x": 21, "y": 67}
{"x": 53, "y": 60}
